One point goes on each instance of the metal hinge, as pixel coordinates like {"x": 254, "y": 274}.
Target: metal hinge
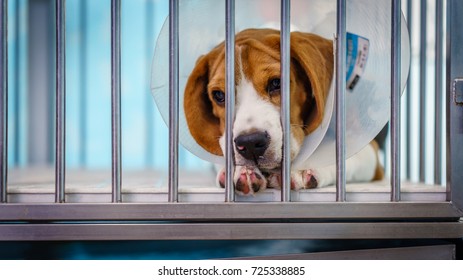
{"x": 458, "y": 91}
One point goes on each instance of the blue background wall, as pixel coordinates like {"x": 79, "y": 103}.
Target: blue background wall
{"x": 88, "y": 88}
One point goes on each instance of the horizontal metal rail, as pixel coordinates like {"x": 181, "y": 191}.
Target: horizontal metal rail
{"x": 227, "y": 211}
{"x": 233, "y": 231}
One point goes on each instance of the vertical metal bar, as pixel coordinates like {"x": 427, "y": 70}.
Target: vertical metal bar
{"x": 83, "y": 84}
{"x": 438, "y": 91}
{"x": 116, "y": 99}
{"x": 3, "y": 99}
{"x": 449, "y": 27}
{"x": 340, "y": 101}
{"x": 395, "y": 99}
{"x": 454, "y": 109}
{"x": 285, "y": 100}
{"x": 173, "y": 100}
{"x": 423, "y": 48}
{"x": 447, "y": 98}
{"x": 149, "y": 127}
{"x": 230, "y": 98}
{"x": 60, "y": 117}
{"x": 409, "y": 94}
{"x": 49, "y": 115}
{"x": 17, "y": 85}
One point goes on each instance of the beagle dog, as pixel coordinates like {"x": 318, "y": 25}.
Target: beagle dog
{"x": 257, "y": 129}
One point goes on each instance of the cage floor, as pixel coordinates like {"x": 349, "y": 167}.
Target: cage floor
{"x": 36, "y": 185}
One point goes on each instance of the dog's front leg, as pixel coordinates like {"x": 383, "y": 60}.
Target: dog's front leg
{"x": 299, "y": 180}
{"x": 247, "y": 180}
{"x": 361, "y": 167}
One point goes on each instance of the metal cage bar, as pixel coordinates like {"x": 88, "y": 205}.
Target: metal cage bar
{"x": 417, "y": 219}
{"x": 60, "y": 113}
{"x": 3, "y": 99}
{"x": 230, "y": 231}
{"x": 149, "y": 46}
{"x": 408, "y": 128}
{"x": 83, "y": 83}
{"x": 116, "y": 100}
{"x": 378, "y": 211}
{"x": 173, "y": 100}
{"x": 341, "y": 101}
{"x": 285, "y": 100}
{"x": 17, "y": 86}
{"x": 422, "y": 133}
{"x": 438, "y": 91}
{"x": 230, "y": 98}
{"x": 395, "y": 99}
{"x": 455, "y": 103}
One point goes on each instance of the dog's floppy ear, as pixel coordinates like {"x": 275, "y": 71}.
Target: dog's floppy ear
{"x": 314, "y": 56}
{"x": 203, "y": 125}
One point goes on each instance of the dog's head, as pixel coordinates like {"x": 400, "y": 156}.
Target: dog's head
{"x": 257, "y": 128}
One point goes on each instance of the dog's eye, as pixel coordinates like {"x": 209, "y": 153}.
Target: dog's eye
{"x": 219, "y": 96}
{"x": 273, "y": 86}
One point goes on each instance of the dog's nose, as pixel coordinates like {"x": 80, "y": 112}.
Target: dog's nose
{"x": 252, "y": 146}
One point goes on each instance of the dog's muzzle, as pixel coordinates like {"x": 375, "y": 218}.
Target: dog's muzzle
{"x": 252, "y": 146}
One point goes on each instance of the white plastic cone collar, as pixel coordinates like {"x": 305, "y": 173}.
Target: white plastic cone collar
{"x": 202, "y": 27}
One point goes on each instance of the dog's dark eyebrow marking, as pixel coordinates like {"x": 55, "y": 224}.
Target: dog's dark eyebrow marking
{"x": 267, "y": 68}
{"x": 216, "y": 84}
{"x": 271, "y": 69}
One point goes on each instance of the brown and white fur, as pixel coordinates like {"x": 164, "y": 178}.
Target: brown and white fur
{"x": 257, "y": 128}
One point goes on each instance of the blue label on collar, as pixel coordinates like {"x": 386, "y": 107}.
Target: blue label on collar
{"x": 357, "y": 56}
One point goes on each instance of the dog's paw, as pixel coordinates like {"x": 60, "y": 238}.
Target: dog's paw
{"x": 220, "y": 179}
{"x": 305, "y": 179}
{"x": 310, "y": 179}
{"x": 247, "y": 180}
